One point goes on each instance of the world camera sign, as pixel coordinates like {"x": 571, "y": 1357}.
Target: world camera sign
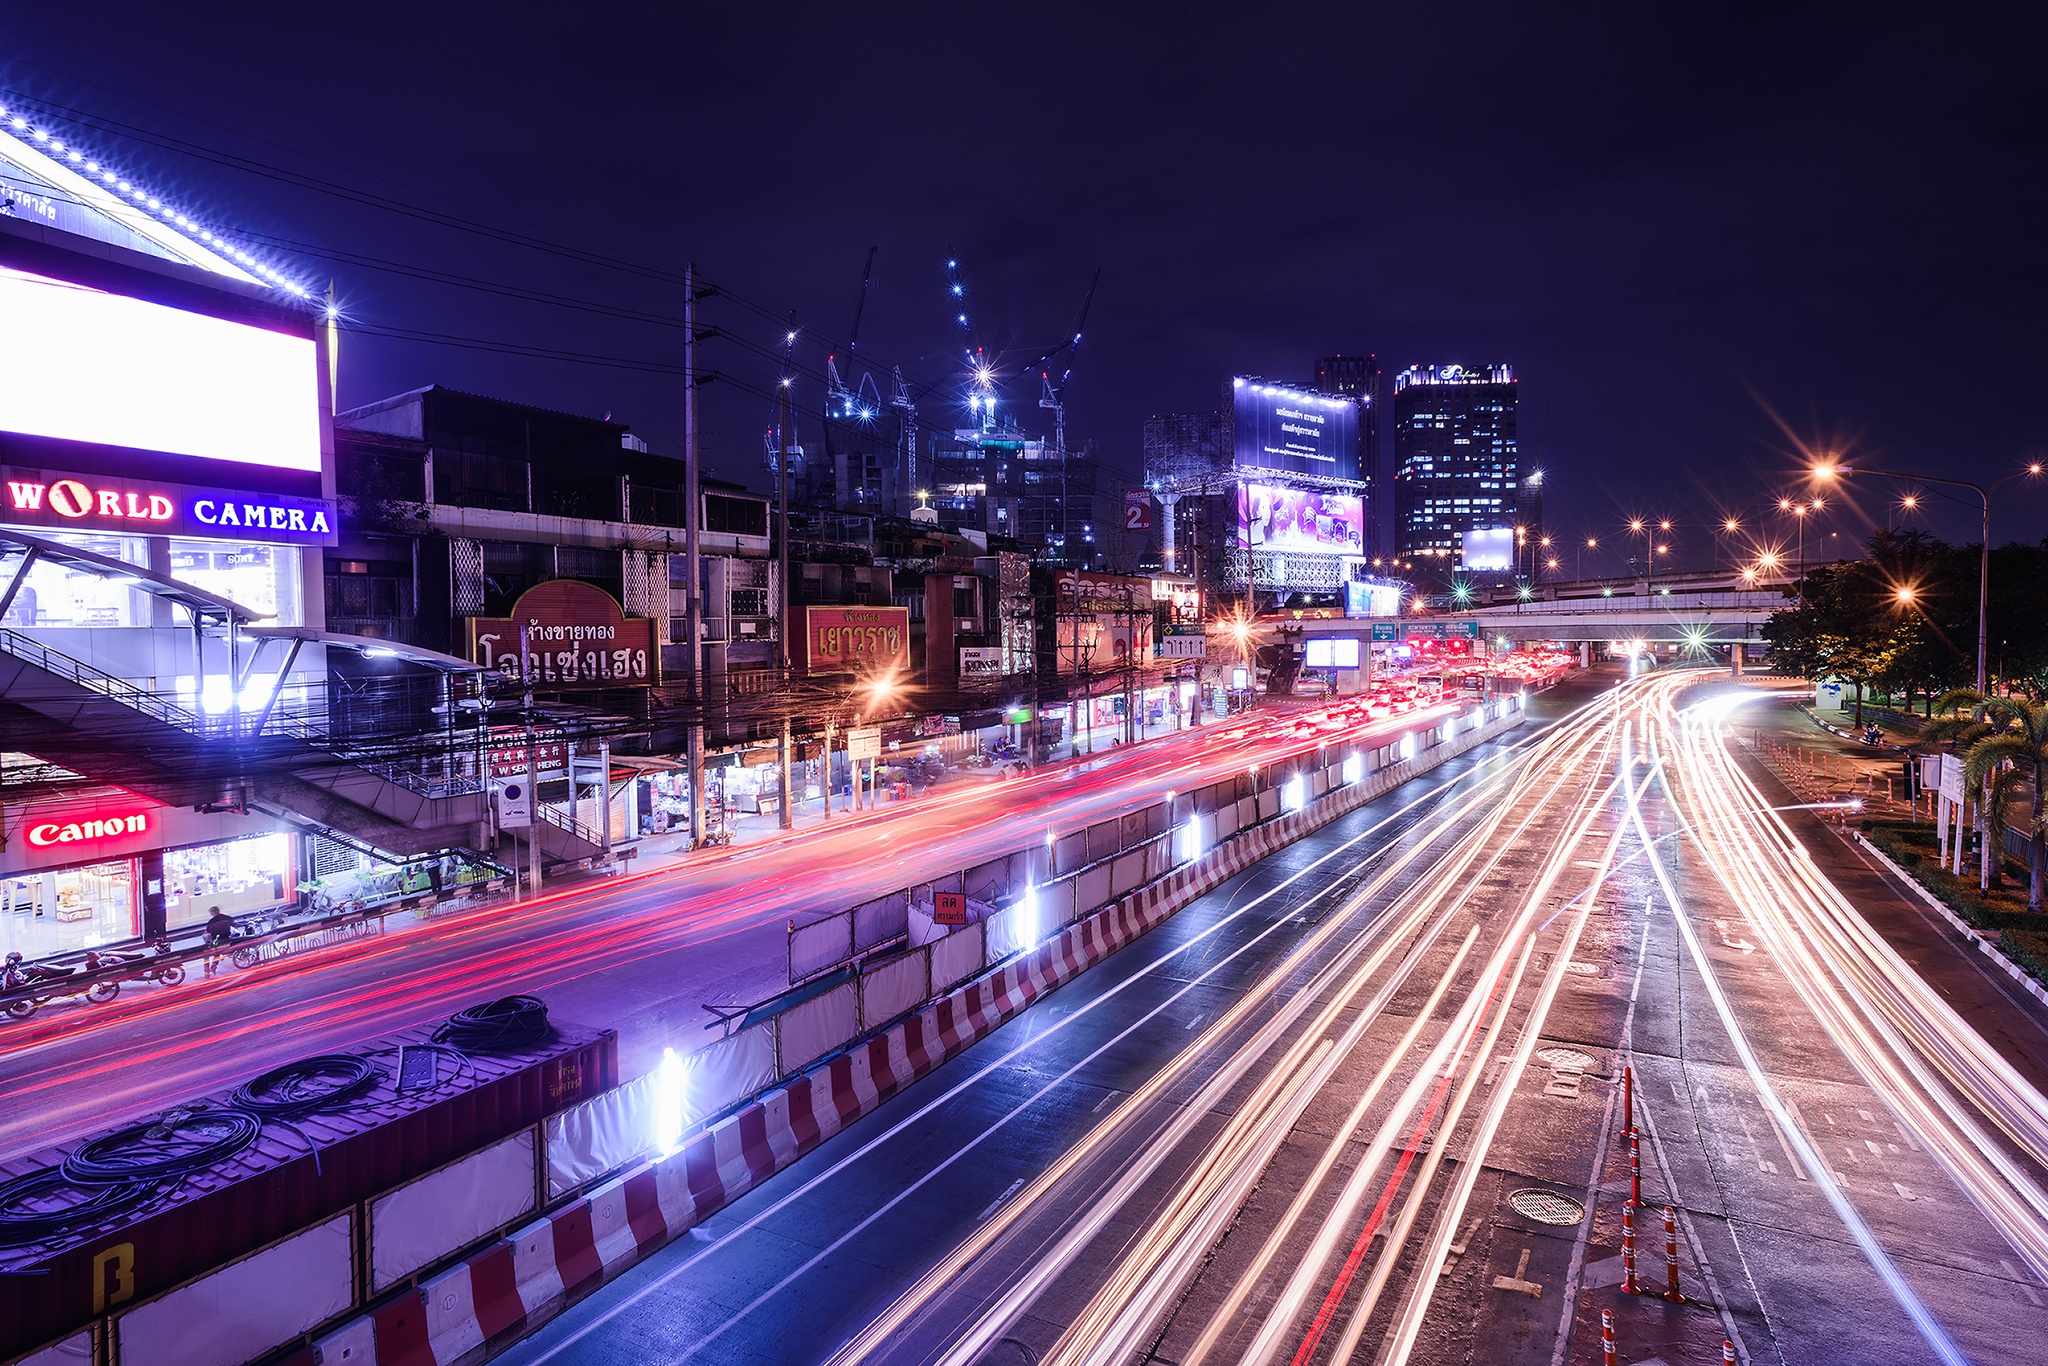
{"x": 50, "y": 498}
{"x": 576, "y": 636}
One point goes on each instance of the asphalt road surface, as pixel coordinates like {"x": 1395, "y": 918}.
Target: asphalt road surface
{"x": 642, "y": 954}
{"x": 1363, "y": 1103}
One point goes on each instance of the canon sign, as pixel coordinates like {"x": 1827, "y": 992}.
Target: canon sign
{"x": 46, "y": 833}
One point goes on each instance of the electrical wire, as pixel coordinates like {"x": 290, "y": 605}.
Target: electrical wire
{"x": 170, "y": 1145}
{"x": 23, "y": 1220}
{"x": 323, "y": 1082}
{"x": 501, "y": 1026}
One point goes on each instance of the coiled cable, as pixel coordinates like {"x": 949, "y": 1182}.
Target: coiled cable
{"x": 176, "y": 1142}
{"x": 500, "y": 1026}
{"x": 298, "y": 1088}
{"x": 46, "y": 1204}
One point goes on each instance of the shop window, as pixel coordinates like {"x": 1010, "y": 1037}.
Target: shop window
{"x": 58, "y": 595}
{"x": 262, "y": 578}
{"x": 73, "y": 908}
{"x": 240, "y": 876}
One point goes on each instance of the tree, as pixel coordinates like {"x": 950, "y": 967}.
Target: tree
{"x": 2004, "y": 744}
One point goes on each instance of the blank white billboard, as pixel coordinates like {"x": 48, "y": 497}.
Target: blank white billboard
{"x": 80, "y": 364}
{"x": 1493, "y": 548}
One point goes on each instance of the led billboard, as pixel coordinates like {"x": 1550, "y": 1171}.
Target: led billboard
{"x": 81, "y": 364}
{"x": 1274, "y": 427}
{"x": 1372, "y": 599}
{"x": 1299, "y": 522}
{"x": 1491, "y": 549}
{"x": 1338, "y": 652}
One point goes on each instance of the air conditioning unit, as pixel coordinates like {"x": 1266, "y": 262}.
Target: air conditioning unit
{"x": 512, "y": 799}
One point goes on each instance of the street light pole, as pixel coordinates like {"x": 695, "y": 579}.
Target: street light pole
{"x": 1983, "y": 493}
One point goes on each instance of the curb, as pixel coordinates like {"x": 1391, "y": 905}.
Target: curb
{"x": 1989, "y": 946}
{"x": 521, "y": 1281}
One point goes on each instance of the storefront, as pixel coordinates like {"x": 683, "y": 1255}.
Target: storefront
{"x": 83, "y": 873}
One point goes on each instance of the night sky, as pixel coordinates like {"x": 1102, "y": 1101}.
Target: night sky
{"x": 1701, "y": 240}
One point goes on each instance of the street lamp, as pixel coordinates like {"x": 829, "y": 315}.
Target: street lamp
{"x": 1983, "y": 493}
{"x": 1639, "y": 526}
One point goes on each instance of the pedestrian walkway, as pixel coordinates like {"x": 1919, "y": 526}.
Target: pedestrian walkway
{"x": 1821, "y": 765}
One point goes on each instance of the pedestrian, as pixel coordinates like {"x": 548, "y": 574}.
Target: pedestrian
{"x": 220, "y": 929}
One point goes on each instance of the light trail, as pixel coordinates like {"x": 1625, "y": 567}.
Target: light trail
{"x": 1931, "y": 1332}
{"x": 1134, "y": 1148}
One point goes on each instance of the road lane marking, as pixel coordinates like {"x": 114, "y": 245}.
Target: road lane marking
{"x": 997, "y": 1203}
{"x": 1478, "y": 771}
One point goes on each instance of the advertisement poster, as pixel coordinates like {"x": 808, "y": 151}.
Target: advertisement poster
{"x": 1277, "y": 428}
{"x": 1372, "y": 599}
{"x": 1492, "y": 549}
{"x": 1299, "y": 522}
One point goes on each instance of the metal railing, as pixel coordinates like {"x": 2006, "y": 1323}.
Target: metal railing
{"x": 236, "y": 724}
{"x": 570, "y": 824}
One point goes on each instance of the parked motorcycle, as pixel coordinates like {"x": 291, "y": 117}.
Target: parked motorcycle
{"x": 49, "y": 984}
{"x": 148, "y": 967}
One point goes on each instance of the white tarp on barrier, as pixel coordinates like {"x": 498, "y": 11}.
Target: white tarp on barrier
{"x": 723, "y": 1072}
{"x": 892, "y": 988}
{"x": 247, "y": 1308}
{"x": 1012, "y": 931}
{"x": 426, "y": 1219}
{"x": 72, "y": 1351}
{"x": 956, "y": 958}
{"x": 816, "y": 1027}
{"x": 601, "y": 1135}
{"x": 823, "y": 944}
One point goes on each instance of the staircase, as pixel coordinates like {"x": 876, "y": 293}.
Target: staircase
{"x": 107, "y": 728}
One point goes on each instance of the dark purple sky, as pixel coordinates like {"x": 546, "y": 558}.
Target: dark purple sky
{"x": 1698, "y": 240}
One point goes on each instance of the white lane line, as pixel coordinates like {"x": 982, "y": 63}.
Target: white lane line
{"x": 997, "y": 1203}
{"x": 885, "y": 1137}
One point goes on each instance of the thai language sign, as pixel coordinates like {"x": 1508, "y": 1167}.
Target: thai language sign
{"x": 576, "y": 636}
{"x": 862, "y": 639}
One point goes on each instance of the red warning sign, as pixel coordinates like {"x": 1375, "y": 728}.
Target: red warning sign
{"x": 949, "y": 908}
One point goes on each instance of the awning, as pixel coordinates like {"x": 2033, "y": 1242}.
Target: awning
{"x": 647, "y": 763}
{"x": 195, "y": 600}
{"x": 369, "y": 646}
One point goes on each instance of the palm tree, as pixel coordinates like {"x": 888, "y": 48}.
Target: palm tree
{"x": 2002, "y": 740}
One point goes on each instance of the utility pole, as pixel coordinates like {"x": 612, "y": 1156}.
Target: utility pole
{"x": 532, "y": 769}
{"x": 693, "y": 516}
{"x": 782, "y": 583}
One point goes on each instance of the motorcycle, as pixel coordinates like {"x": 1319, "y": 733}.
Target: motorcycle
{"x": 1874, "y": 737}
{"x": 49, "y": 984}
{"x": 163, "y": 974}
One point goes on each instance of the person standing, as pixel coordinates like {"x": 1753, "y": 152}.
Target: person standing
{"x": 220, "y": 929}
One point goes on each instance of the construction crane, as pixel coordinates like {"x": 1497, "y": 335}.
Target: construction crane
{"x": 839, "y": 400}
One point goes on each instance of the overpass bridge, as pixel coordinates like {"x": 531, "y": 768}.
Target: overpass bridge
{"x": 1693, "y": 610}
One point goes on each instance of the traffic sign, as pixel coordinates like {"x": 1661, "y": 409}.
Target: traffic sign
{"x": 864, "y": 743}
{"x": 949, "y": 908}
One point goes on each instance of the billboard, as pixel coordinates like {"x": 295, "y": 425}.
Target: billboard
{"x": 1371, "y": 599}
{"x": 1274, "y": 427}
{"x": 1332, "y": 652}
{"x": 1299, "y": 522}
{"x": 980, "y": 664}
{"x": 81, "y": 364}
{"x": 849, "y": 639}
{"x": 1492, "y": 549}
{"x": 576, "y": 636}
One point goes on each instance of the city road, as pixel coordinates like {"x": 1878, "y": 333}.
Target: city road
{"x": 642, "y": 954}
{"x": 1362, "y": 1103}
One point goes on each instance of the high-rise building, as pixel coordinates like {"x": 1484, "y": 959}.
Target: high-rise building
{"x": 1457, "y": 467}
{"x": 1358, "y": 377}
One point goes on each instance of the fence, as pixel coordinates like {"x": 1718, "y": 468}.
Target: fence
{"x": 561, "y": 1221}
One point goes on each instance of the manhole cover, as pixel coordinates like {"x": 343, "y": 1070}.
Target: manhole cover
{"x": 1565, "y": 1059}
{"x": 1547, "y": 1207}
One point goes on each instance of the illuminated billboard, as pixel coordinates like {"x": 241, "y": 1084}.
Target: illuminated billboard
{"x": 1275, "y": 427}
{"x": 1372, "y": 599}
{"x": 1332, "y": 652}
{"x": 1299, "y": 522}
{"x": 1491, "y": 549}
{"x": 80, "y": 364}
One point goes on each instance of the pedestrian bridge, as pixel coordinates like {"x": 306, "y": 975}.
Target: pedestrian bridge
{"x": 1677, "y": 615}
